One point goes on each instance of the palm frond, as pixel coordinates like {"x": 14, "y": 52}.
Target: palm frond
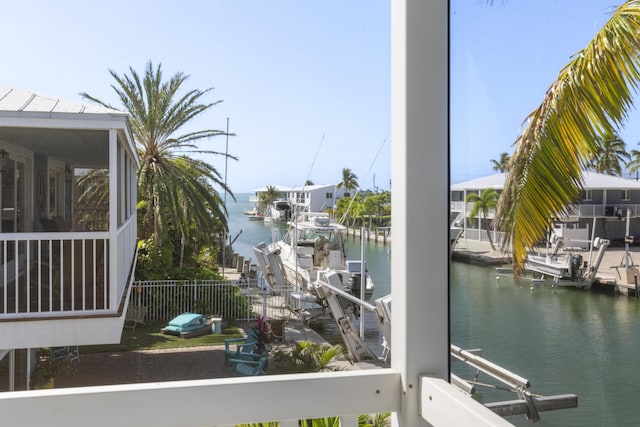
{"x": 590, "y": 99}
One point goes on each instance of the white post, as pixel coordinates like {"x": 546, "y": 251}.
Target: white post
{"x": 114, "y": 267}
{"x": 363, "y": 278}
{"x": 420, "y": 256}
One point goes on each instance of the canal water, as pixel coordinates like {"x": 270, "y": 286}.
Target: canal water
{"x": 562, "y": 340}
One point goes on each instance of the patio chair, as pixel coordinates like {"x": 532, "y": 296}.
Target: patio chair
{"x": 245, "y": 348}
{"x": 135, "y": 316}
{"x": 250, "y": 367}
{"x": 72, "y": 354}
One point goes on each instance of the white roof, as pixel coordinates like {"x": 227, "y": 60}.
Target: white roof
{"x": 592, "y": 181}
{"x": 283, "y": 189}
{"x": 492, "y": 181}
{"x": 18, "y": 100}
{"x": 313, "y": 187}
{"x": 279, "y": 188}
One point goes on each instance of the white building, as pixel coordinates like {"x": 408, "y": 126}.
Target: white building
{"x": 308, "y": 198}
{"x": 605, "y": 198}
{"x": 66, "y": 265}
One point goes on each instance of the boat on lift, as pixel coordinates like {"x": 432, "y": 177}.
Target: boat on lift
{"x": 566, "y": 268}
{"x": 313, "y": 246}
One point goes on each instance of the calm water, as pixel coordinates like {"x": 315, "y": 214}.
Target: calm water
{"x": 562, "y": 340}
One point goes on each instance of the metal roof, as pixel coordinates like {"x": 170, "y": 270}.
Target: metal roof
{"x": 592, "y": 181}
{"x": 18, "y": 100}
{"x": 61, "y": 128}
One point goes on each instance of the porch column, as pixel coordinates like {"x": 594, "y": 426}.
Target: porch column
{"x": 113, "y": 221}
{"x": 420, "y": 221}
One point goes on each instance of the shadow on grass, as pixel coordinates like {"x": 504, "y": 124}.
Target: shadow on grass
{"x": 149, "y": 337}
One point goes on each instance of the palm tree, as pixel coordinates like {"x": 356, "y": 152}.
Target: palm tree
{"x": 501, "y": 165}
{"x": 178, "y": 190}
{"x": 591, "y": 98}
{"x": 349, "y": 181}
{"x": 634, "y": 163}
{"x": 266, "y": 198}
{"x": 610, "y": 155}
{"x": 482, "y": 204}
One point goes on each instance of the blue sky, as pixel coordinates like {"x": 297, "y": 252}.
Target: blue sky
{"x": 304, "y": 80}
{"x": 288, "y": 72}
{"x": 503, "y": 59}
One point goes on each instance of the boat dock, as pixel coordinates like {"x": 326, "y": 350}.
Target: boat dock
{"x": 612, "y": 274}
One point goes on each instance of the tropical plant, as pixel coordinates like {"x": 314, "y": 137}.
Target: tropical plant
{"x": 501, "y": 164}
{"x": 308, "y": 182}
{"x": 610, "y": 155}
{"x": 365, "y": 420}
{"x": 180, "y": 191}
{"x": 482, "y": 204}
{"x": 376, "y": 205}
{"x": 47, "y": 368}
{"x": 375, "y": 420}
{"x": 321, "y": 422}
{"x": 590, "y": 99}
{"x": 307, "y": 356}
{"x": 266, "y": 198}
{"x": 349, "y": 180}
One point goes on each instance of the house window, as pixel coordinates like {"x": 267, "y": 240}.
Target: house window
{"x": 626, "y": 195}
{"x": 347, "y": 194}
{"x": 53, "y": 192}
{"x": 329, "y": 196}
{"x": 586, "y": 195}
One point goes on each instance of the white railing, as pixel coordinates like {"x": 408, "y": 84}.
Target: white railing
{"x": 599, "y": 210}
{"x": 165, "y": 299}
{"x": 126, "y": 244}
{"x": 580, "y": 211}
{"x": 46, "y": 273}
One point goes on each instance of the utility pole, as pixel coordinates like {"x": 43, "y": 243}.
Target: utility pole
{"x": 226, "y": 161}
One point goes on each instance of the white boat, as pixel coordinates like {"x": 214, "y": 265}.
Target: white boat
{"x": 568, "y": 268}
{"x": 254, "y": 215}
{"x": 312, "y": 248}
{"x": 454, "y": 234}
{"x": 278, "y": 211}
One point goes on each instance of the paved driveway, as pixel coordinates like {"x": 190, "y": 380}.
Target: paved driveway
{"x": 146, "y": 366}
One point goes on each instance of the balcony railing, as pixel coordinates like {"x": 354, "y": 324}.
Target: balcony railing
{"x": 575, "y": 211}
{"x": 60, "y": 273}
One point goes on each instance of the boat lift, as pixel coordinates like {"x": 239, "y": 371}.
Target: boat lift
{"x": 527, "y": 403}
{"x": 330, "y": 295}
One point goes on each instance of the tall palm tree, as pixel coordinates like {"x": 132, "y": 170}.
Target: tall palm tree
{"x": 349, "y": 180}
{"x": 501, "y": 164}
{"x": 482, "y": 204}
{"x": 591, "y": 98}
{"x": 610, "y": 155}
{"x": 179, "y": 191}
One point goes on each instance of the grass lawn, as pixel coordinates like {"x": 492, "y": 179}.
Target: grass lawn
{"x": 149, "y": 337}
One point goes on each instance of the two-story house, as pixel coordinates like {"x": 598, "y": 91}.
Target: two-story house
{"x": 68, "y": 229}
{"x": 601, "y": 209}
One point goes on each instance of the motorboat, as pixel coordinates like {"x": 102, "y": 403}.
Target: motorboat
{"x": 454, "y": 235}
{"x": 254, "y": 215}
{"x": 278, "y": 211}
{"x": 313, "y": 247}
{"x": 566, "y": 268}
